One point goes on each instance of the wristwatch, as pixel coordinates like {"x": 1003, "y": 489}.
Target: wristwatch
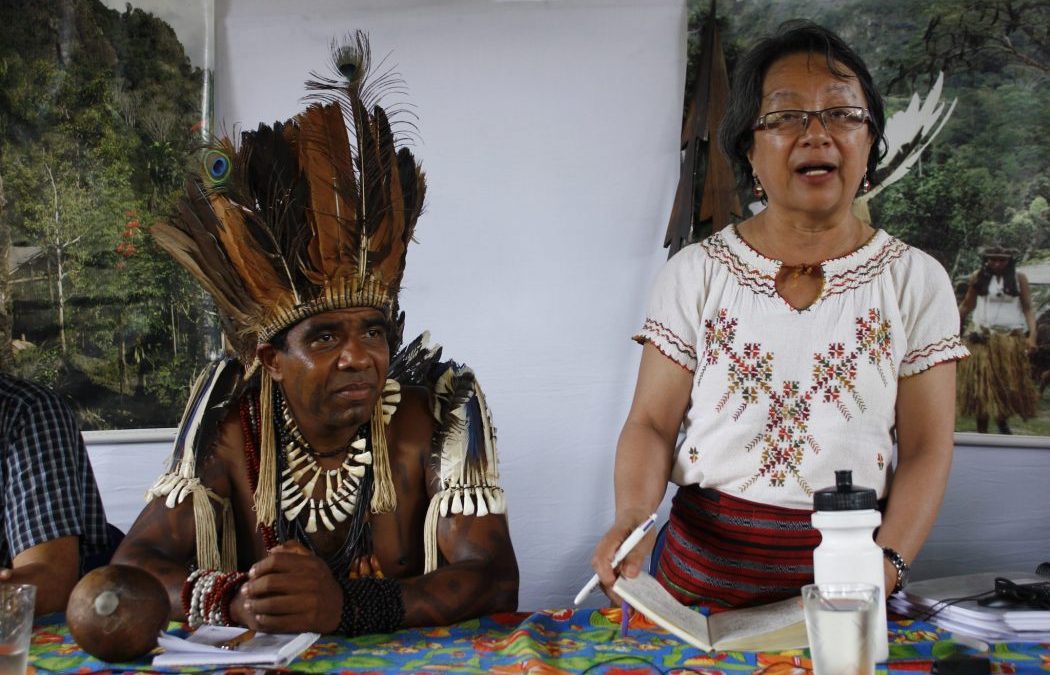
{"x": 903, "y": 568}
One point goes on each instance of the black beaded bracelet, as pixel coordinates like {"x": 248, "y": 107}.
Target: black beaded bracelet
{"x": 371, "y": 605}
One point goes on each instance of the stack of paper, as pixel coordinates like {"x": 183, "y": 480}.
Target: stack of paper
{"x": 946, "y": 602}
{"x": 202, "y": 648}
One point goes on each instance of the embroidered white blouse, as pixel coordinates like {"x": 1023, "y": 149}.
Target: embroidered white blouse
{"x": 781, "y": 397}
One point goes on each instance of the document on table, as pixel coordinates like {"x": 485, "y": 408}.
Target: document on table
{"x": 946, "y": 602}
{"x": 202, "y": 648}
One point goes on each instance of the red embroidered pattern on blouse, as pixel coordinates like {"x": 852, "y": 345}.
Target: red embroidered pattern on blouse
{"x": 947, "y": 344}
{"x": 748, "y": 276}
{"x": 786, "y": 435}
{"x": 665, "y": 339}
{"x": 856, "y": 277}
{"x": 867, "y": 270}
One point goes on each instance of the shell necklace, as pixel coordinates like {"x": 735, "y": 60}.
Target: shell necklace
{"x": 301, "y": 473}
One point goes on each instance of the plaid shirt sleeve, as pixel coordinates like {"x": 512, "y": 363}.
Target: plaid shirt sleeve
{"x": 48, "y": 487}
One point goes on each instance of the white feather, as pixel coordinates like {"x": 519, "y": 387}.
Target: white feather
{"x": 911, "y": 131}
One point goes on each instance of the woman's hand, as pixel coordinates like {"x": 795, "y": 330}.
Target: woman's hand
{"x": 607, "y": 546}
{"x": 644, "y": 456}
{"x": 925, "y": 443}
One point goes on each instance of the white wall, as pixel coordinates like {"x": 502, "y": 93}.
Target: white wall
{"x": 996, "y": 512}
{"x": 125, "y": 464}
{"x": 550, "y": 138}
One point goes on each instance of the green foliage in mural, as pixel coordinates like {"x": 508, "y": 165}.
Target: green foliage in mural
{"x": 985, "y": 176}
{"x": 99, "y": 112}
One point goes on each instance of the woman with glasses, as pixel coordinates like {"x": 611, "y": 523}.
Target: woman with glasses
{"x": 786, "y": 347}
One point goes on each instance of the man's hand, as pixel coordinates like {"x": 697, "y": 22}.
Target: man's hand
{"x": 289, "y": 591}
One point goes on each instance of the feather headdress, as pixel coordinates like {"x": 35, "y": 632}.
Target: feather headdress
{"x": 306, "y": 216}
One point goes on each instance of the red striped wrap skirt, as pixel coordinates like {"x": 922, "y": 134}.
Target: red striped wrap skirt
{"x": 723, "y": 552}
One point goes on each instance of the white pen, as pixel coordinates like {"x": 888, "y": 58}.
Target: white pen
{"x": 629, "y": 543}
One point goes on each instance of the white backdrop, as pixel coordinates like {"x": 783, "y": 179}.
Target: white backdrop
{"x": 549, "y": 134}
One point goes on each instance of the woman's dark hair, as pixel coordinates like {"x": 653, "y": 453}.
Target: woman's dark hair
{"x": 984, "y": 277}
{"x": 735, "y": 135}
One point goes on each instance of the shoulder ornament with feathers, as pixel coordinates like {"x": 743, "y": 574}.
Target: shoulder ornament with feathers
{"x": 464, "y": 443}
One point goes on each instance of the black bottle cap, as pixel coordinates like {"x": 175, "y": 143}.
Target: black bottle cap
{"x": 845, "y": 496}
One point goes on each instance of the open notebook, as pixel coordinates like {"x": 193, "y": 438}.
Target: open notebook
{"x": 201, "y": 648}
{"x": 774, "y": 627}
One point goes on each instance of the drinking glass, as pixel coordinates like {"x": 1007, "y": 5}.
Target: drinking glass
{"x": 16, "y": 626}
{"x": 840, "y": 620}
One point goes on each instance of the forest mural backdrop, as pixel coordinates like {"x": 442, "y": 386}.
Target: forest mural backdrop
{"x": 983, "y": 180}
{"x": 100, "y": 110}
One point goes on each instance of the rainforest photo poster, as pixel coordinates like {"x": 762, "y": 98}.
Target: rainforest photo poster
{"x": 102, "y": 103}
{"x": 101, "y": 107}
{"x": 967, "y": 98}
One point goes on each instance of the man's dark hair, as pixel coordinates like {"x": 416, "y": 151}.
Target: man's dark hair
{"x": 735, "y": 135}
{"x": 280, "y": 339}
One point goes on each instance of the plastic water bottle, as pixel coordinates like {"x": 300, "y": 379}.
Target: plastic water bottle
{"x": 846, "y": 516}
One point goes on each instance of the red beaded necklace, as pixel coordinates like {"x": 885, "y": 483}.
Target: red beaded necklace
{"x": 251, "y": 455}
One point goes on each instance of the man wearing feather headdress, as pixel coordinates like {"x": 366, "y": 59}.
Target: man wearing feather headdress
{"x": 317, "y": 482}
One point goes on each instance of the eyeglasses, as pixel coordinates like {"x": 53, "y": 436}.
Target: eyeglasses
{"x": 838, "y": 118}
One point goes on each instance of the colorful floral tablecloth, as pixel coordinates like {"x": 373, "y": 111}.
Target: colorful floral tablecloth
{"x": 549, "y": 642}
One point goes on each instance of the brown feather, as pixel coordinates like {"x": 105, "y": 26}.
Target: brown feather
{"x": 386, "y": 246}
{"x": 184, "y": 250}
{"x": 264, "y": 286}
{"x": 413, "y": 190}
{"x": 195, "y": 219}
{"x": 325, "y": 160}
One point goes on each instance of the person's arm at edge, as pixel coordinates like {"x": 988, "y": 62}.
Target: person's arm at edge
{"x": 968, "y": 303}
{"x": 46, "y": 452}
{"x": 644, "y": 458}
{"x": 51, "y": 566}
{"x": 925, "y": 444}
{"x": 1026, "y": 307}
